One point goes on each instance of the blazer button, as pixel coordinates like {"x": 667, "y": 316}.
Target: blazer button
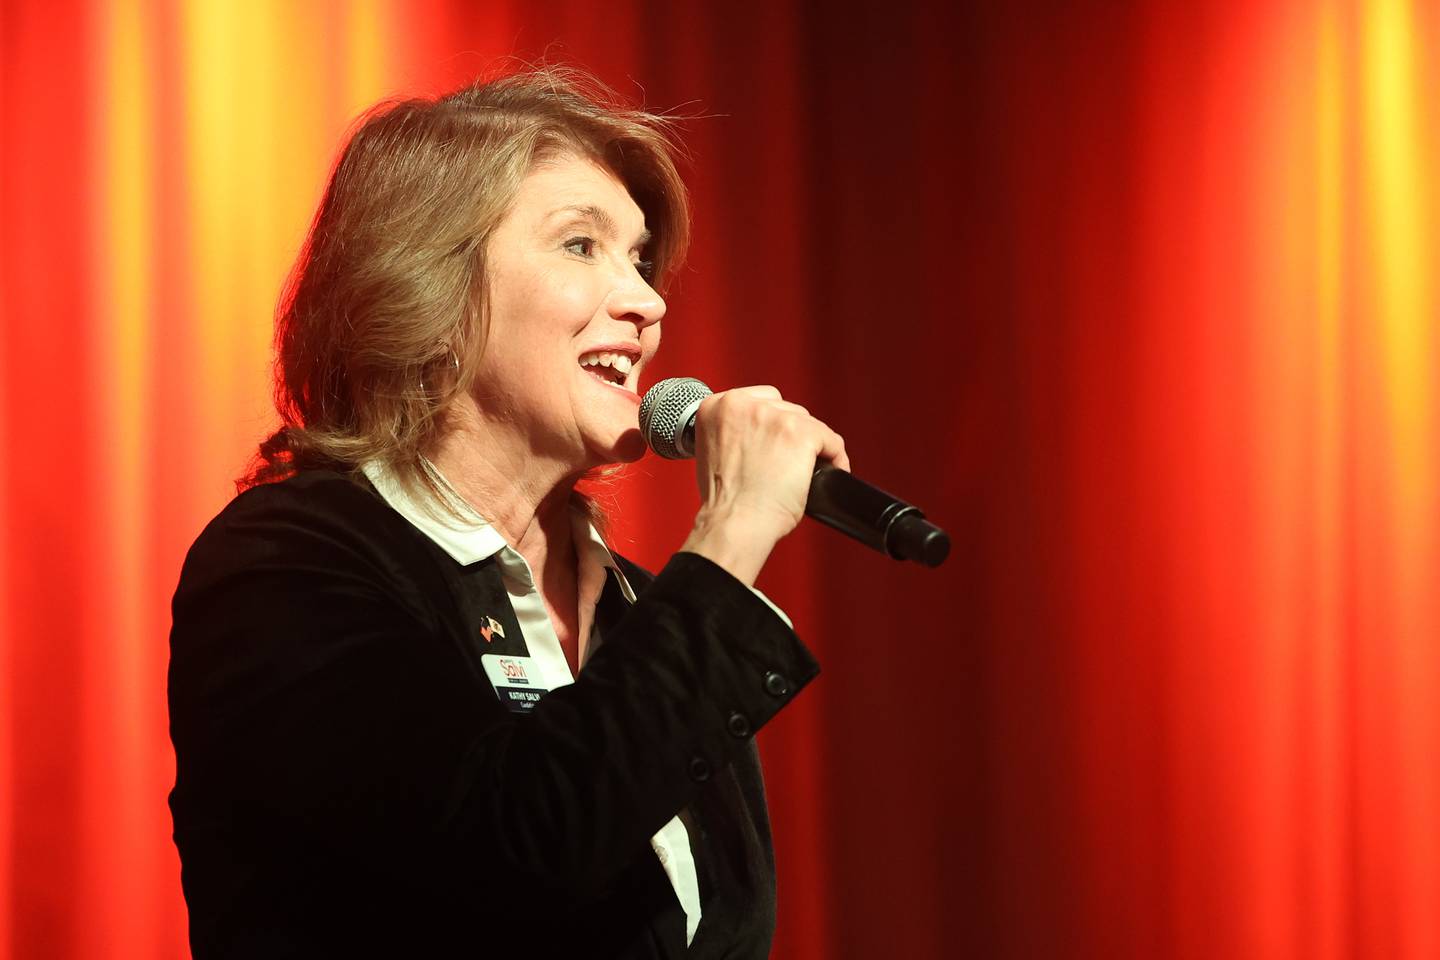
{"x": 738, "y": 725}
{"x": 776, "y": 685}
{"x": 699, "y": 769}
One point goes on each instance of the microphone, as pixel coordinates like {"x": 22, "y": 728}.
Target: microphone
{"x": 837, "y": 498}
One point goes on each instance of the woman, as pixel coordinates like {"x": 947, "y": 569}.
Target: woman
{"x": 418, "y": 708}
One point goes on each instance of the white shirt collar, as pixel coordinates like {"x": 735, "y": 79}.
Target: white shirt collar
{"x": 469, "y": 538}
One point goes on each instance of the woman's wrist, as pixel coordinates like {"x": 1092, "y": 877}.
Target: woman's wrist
{"x": 734, "y": 539}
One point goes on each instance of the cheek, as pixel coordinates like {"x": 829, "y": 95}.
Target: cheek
{"x": 561, "y": 304}
{"x": 650, "y": 340}
{"x": 535, "y": 331}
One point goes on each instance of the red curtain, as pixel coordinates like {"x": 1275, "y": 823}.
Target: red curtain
{"x": 1138, "y": 300}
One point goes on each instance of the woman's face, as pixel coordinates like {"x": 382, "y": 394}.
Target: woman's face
{"x": 572, "y": 318}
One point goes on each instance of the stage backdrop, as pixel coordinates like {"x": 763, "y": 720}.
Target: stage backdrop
{"x": 1139, "y": 300}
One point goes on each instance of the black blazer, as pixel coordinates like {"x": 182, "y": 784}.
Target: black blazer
{"x": 348, "y": 783}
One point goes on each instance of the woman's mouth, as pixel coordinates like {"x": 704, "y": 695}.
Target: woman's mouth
{"x": 609, "y": 366}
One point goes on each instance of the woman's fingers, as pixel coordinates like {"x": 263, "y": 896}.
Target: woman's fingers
{"x": 758, "y": 450}
{"x": 834, "y": 450}
{"x": 755, "y": 453}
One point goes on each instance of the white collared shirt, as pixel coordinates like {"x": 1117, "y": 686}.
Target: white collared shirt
{"x": 474, "y": 539}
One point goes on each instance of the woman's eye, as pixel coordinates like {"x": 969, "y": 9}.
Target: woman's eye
{"x": 646, "y": 269}
{"x": 581, "y": 247}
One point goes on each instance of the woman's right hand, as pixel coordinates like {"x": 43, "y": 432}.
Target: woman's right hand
{"x": 755, "y": 453}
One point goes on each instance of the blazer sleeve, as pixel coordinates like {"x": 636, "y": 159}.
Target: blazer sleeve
{"x": 317, "y": 688}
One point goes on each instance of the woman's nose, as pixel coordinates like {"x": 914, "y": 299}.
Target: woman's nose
{"x": 635, "y": 301}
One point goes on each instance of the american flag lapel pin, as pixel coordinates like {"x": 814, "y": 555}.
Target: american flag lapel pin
{"x": 490, "y": 626}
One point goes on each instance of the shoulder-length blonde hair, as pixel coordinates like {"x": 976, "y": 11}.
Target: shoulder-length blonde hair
{"x": 382, "y": 321}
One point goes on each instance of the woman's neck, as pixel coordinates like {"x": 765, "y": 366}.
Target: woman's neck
{"x": 526, "y": 497}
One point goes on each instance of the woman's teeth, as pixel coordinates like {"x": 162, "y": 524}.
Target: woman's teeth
{"x": 614, "y": 367}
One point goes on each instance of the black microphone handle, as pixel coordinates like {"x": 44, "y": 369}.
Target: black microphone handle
{"x": 877, "y": 519}
{"x": 837, "y": 498}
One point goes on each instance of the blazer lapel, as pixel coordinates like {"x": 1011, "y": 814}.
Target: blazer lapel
{"x": 489, "y": 619}
{"x": 612, "y": 606}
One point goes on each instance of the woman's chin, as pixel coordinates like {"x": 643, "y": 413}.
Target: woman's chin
{"x": 631, "y": 446}
{"x": 627, "y": 447}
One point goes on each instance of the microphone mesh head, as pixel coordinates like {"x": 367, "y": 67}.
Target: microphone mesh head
{"x": 665, "y": 412}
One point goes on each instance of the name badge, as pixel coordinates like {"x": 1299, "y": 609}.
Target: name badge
{"x": 516, "y": 681}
